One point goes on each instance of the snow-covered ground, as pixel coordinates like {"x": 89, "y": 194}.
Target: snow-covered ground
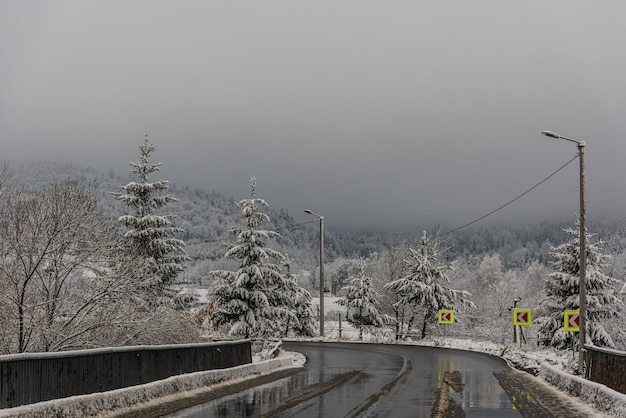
{"x": 330, "y": 304}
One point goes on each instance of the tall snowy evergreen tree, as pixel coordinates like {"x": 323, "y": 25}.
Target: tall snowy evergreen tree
{"x": 426, "y": 283}
{"x": 363, "y": 298}
{"x": 152, "y": 236}
{"x": 562, "y": 293}
{"x": 254, "y": 299}
{"x": 301, "y": 304}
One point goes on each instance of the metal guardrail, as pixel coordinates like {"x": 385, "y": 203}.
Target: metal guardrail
{"x": 606, "y": 366}
{"x": 36, "y": 377}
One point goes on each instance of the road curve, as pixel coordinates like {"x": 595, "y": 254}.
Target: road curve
{"x": 374, "y": 380}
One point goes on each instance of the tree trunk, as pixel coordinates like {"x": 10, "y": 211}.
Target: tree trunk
{"x": 409, "y": 324}
{"x": 360, "y": 324}
{"x": 398, "y": 324}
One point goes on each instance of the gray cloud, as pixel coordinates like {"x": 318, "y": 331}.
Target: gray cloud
{"x": 364, "y": 111}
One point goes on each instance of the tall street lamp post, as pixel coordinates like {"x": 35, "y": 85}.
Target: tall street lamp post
{"x": 321, "y": 218}
{"x": 583, "y": 251}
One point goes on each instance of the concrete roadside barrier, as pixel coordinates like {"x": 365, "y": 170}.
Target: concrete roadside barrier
{"x": 107, "y": 403}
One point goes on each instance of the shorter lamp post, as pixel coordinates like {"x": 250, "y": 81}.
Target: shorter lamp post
{"x": 583, "y": 251}
{"x": 515, "y": 302}
{"x": 321, "y": 218}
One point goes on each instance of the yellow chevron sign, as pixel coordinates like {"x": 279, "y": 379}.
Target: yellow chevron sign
{"x": 571, "y": 320}
{"x": 522, "y": 317}
{"x": 445, "y": 316}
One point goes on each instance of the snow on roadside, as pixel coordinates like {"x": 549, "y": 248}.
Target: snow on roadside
{"x": 602, "y": 398}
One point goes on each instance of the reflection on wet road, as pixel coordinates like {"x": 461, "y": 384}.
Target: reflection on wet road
{"x": 374, "y": 380}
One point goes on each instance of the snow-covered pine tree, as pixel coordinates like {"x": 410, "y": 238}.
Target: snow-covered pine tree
{"x": 152, "y": 236}
{"x": 363, "y": 299}
{"x": 300, "y": 301}
{"x": 390, "y": 267}
{"x": 562, "y": 293}
{"x": 253, "y": 298}
{"x": 426, "y": 283}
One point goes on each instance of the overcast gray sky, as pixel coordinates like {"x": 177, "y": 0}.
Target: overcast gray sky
{"x": 364, "y": 111}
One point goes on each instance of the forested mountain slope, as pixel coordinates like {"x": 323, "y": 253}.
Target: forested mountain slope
{"x": 207, "y": 217}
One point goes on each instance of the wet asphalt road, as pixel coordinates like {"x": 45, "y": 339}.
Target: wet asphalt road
{"x": 375, "y": 380}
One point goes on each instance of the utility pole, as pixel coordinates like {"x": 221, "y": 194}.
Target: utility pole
{"x": 583, "y": 249}
{"x": 321, "y": 218}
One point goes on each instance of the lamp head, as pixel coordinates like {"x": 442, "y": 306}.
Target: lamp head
{"x": 550, "y": 134}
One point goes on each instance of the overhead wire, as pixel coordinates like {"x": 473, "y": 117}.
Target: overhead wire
{"x": 291, "y": 226}
{"x": 512, "y": 200}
